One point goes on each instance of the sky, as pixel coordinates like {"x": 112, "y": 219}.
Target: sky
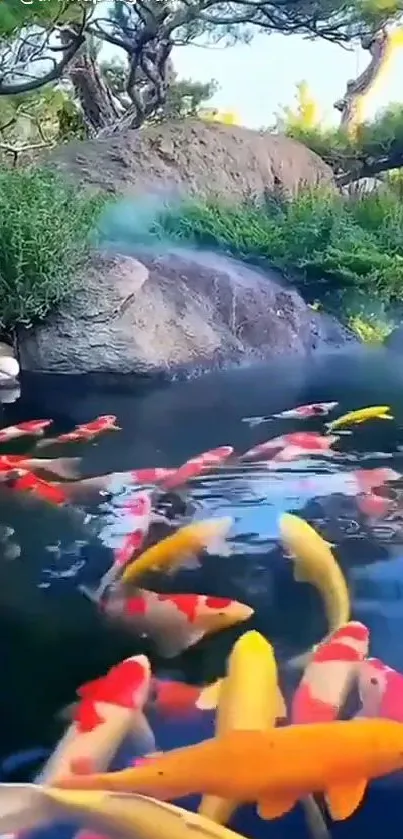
{"x": 256, "y": 79}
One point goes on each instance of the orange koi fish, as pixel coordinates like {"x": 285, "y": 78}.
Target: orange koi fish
{"x": 32, "y": 428}
{"x": 84, "y": 432}
{"x": 305, "y": 442}
{"x": 26, "y": 481}
{"x": 330, "y": 675}
{"x": 198, "y": 465}
{"x": 176, "y": 622}
{"x": 63, "y": 467}
{"x": 336, "y": 759}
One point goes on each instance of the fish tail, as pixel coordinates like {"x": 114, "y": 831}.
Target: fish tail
{"x": 92, "y": 594}
{"x": 64, "y": 467}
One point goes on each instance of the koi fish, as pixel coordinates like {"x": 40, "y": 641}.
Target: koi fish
{"x": 26, "y": 481}
{"x": 198, "y": 465}
{"x": 84, "y": 432}
{"x": 303, "y": 441}
{"x": 176, "y": 699}
{"x": 63, "y": 467}
{"x": 175, "y": 550}
{"x": 316, "y": 409}
{"x": 314, "y": 563}
{"x": 381, "y": 690}
{"x": 32, "y": 428}
{"x": 176, "y": 622}
{"x": 25, "y": 806}
{"x": 381, "y": 412}
{"x": 336, "y": 759}
{"x": 250, "y": 699}
{"x": 330, "y": 675}
{"x": 109, "y": 709}
{"x": 374, "y": 506}
{"x": 137, "y": 512}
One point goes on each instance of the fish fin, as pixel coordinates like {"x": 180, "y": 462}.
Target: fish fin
{"x": 386, "y": 417}
{"x": 188, "y": 561}
{"x": 345, "y": 432}
{"x": 171, "y": 645}
{"x": 64, "y": 467}
{"x": 209, "y": 696}
{"x": 342, "y": 800}
{"x": 91, "y": 594}
{"x": 218, "y": 547}
{"x": 273, "y": 808}
{"x": 281, "y": 708}
{"x": 66, "y": 713}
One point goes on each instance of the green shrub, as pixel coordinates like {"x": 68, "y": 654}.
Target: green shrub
{"x": 44, "y": 230}
{"x": 337, "y": 249}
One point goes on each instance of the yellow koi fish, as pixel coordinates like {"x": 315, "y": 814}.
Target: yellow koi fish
{"x": 250, "y": 698}
{"x": 182, "y": 546}
{"x": 380, "y": 412}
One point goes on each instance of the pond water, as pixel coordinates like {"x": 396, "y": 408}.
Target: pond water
{"x": 52, "y": 638}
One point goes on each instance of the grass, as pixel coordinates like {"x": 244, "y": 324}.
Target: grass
{"x": 346, "y": 253}
{"x": 45, "y": 226}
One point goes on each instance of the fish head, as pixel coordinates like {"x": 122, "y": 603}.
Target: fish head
{"x": 217, "y": 613}
{"x": 128, "y": 684}
{"x": 372, "y": 684}
{"x": 354, "y": 636}
{"x": 252, "y": 643}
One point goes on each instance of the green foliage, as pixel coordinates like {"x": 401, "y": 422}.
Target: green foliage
{"x": 345, "y": 252}
{"x": 45, "y": 226}
{"x": 41, "y": 118}
{"x": 15, "y": 14}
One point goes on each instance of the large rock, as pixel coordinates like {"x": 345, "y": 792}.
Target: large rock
{"x": 174, "y": 310}
{"x": 192, "y": 157}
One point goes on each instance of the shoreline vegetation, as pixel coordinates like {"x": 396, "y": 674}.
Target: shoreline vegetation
{"x": 343, "y": 253}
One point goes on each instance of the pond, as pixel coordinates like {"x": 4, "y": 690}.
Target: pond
{"x": 52, "y": 638}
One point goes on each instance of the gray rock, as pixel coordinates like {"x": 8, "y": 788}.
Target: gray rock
{"x": 172, "y": 310}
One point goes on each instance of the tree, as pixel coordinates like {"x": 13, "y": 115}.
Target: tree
{"x": 43, "y": 41}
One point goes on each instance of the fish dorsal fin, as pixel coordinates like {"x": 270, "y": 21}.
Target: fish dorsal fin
{"x": 210, "y": 696}
{"x": 342, "y": 800}
{"x": 281, "y": 708}
{"x": 273, "y": 808}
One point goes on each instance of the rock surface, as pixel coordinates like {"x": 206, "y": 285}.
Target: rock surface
{"x": 175, "y": 310}
{"x": 193, "y": 158}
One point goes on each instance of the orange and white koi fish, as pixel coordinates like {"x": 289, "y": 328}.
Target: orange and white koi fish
{"x": 26, "y": 482}
{"x": 198, "y": 465}
{"x": 381, "y": 690}
{"x": 176, "y": 622}
{"x": 303, "y": 412}
{"x": 304, "y": 441}
{"x": 337, "y": 759}
{"x": 32, "y": 428}
{"x": 63, "y": 467}
{"x": 330, "y": 675}
{"x": 89, "y": 488}
{"x": 85, "y": 432}
{"x": 110, "y": 708}
{"x": 182, "y": 547}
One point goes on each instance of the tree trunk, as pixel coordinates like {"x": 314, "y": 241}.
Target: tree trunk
{"x": 381, "y": 49}
{"x": 97, "y": 103}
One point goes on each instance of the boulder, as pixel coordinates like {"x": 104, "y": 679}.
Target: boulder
{"x": 192, "y": 157}
{"x": 171, "y": 310}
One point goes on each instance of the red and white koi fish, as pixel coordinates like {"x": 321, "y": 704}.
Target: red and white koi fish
{"x": 316, "y": 409}
{"x": 198, "y": 465}
{"x": 176, "y": 622}
{"x": 174, "y": 700}
{"x": 330, "y": 675}
{"x": 26, "y": 482}
{"x": 110, "y": 708}
{"x": 381, "y": 690}
{"x": 32, "y": 428}
{"x": 304, "y": 441}
{"x": 137, "y": 512}
{"x": 375, "y": 506}
{"x": 84, "y": 432}
{"x": 63, "y": 467}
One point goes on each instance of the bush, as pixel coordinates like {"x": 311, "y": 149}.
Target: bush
{"x": 346, "y": 252}
{"x": 44, "y": 234}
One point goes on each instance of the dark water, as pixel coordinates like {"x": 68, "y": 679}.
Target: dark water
{"x": 52, "y": 639}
